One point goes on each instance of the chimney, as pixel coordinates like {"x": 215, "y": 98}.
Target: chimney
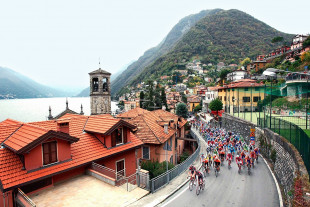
{"x": 166, "y": 128}
{"x": 63, "y": 126}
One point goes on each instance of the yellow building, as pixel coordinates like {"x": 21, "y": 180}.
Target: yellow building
{"x": 192, "y": 102}
{"x": 241, "y": 95}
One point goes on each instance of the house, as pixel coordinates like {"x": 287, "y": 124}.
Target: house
{"x": 192, "y": 102}
{"x": 128, "y": 105}
{"x": 38, "y": 155}
{"x": 220, "y": 65}
{"x": 165, "y": 77}
{"x": 182, "y": 72}
{"x": 297, "y": 41}
{"x": 237, "y": 75}
{"x": 211, "y": 93}
{"x": 162, "y": 134}
{"x": 241, "y": 95}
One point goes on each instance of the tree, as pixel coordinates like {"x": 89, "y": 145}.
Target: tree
{"x": 163, "y": 98}
{"x": 277, "y": 39}
{"x": 246, "y": 61}
{"x": 224, "y": 73}
{"x": 306, "y": 43}
{"x": 198, "y": 108}
{"x": 182, "y": 110}
{"x": 184, "y": 98}
{"x": 141, "y": 99}
{"x": 216, "y": 105}
{"x": 305, "y": 57}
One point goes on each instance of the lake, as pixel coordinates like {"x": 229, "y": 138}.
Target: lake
{"x": 36, "y": 109}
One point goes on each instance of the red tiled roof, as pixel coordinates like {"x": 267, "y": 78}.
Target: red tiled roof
{"x": 104, "y": 125}
{"x": 86, "y": 150}
{"x": 150, "y": 126}
{"x": 7, "y": 130}
{"x": 24, "y": 136}
{"x": 132, "y": 113}
{"x": 243, "y": 83}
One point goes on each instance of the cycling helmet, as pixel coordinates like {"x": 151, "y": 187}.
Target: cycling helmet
{"x": 237, "y": 156}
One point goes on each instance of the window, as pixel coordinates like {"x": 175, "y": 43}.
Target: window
{"x": 220, "y": 97}
{"x": 246, "y": 99}
{"x": 256, "y": 88}
{"x": 233, "y": 89}
{"x": 224, "y": 98}
{"x": 256, "y": 98}
{"x": 118, "y": 137}
{"x": 120, "y": 169}
{"x": 146, "y": 152}
{"x": 233, "y": 99}
{"x": 246, "y": 89}
{"x": 49, "y": 152}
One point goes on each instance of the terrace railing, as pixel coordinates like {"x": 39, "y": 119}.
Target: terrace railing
{"x": 23, "y": 200}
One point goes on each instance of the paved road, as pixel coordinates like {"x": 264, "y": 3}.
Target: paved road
{"x": 231, "y": 189}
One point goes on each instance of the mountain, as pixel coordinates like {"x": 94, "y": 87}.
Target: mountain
{"x": 85, "y": 92}
{"x": 15, "y": 85}
{"x": 223, "y": 36}
{"x": 177, "y": 32}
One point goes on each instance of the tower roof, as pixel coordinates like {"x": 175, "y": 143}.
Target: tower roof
{"x": 99, "y": 71}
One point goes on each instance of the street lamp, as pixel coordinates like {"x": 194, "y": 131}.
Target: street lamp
{"x": 272, "y": 74}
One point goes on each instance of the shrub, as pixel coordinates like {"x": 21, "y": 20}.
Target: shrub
{"x": 156, "y": 168}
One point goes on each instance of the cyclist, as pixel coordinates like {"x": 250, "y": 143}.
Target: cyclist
{"x": 239, "y": 161}
{"x": 256, "y": 150}
{"x": 252, "y": 157}
{"x": 192, "y": 172}
{"x": 210, "y": 160}
{"x": 205, "y": 164}
{"x": 222, "y": 155}
{"x": 217, "y": 163}
{"x": 229, "y": 156}
{"x": 202, "y": 157}
{"x": 248, "y": 160}
{"x": 200, "y": 177}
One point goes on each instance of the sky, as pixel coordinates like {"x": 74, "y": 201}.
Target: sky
{"x": 58, "y": 42}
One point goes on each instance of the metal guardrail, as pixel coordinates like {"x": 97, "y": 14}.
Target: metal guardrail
{"x": 23, "y": 199}
{"x": 163, "y": 179}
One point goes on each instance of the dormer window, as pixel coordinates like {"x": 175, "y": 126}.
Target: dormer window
{"x": 49, "y": 152}
{"x": 119, "y": 136}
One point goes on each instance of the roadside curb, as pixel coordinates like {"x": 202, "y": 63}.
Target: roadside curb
{"x": 276, "y": 181}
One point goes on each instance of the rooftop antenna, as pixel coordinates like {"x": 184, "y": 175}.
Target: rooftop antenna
{"x": 99, "y": 63}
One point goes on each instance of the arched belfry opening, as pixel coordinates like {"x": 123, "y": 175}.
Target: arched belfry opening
{"x": 105, "y": 87}
{"x": 95, "y": 84}
{"x": 100, "y": 92}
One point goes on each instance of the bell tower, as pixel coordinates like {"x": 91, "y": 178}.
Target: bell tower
{"x": 100, "y": 92}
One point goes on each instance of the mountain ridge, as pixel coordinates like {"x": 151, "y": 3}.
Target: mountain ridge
{"x": 163, "y": 47}
{"x": 226, "y": 36}
{"x": 16, "y": 85}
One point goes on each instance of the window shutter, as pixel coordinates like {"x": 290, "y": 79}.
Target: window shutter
{"x": 53, "y": 152}
{"x": 113, "y": 138}
{"x": 46, "y": 153}
{"x": 125, "y": 134}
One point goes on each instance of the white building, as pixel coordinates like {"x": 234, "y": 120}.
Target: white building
{"x": 210, "y": 94}
{"x": 237, "y": 75}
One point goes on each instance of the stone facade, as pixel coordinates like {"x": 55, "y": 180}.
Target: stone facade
{"x": 100, "y": 92}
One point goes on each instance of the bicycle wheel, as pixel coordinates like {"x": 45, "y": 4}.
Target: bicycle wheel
{"x": 198, "y": 190}
{"x": 190, "y": 185}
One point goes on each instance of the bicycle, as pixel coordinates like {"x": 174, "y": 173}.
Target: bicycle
{"x": 217, "y": 169}
{"x": 191, "y": 183}
{"x": 249, "y": 169}
{"x": 239, "y": 168}
{"x": 200, "y": 187}
{"x": 229, "y": 164}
